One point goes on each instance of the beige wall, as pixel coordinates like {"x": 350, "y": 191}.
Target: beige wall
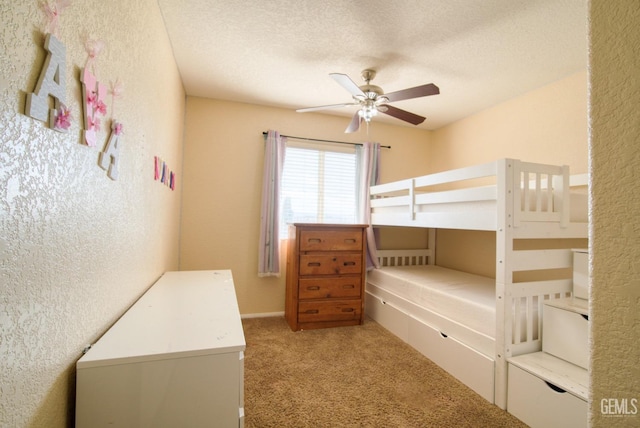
{"x": 547, "y": 125}
{"x": 223, "y": 159}
{"x": 615, "y": 232}
{"x": 76, "y": 248}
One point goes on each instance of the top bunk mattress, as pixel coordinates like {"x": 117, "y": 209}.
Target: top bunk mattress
{"x": 459, "y": 296}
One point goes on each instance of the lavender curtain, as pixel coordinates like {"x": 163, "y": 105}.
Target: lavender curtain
{"x": 269, "y": 246}
{"x": 368, "y": 165}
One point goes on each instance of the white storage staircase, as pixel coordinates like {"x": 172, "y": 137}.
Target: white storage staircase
{"x": 550, "y": 388}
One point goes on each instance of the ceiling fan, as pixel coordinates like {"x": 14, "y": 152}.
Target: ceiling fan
{"x": 371, "y": 99}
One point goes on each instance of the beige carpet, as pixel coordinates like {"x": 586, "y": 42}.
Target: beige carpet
{"x": 359, "y": 376}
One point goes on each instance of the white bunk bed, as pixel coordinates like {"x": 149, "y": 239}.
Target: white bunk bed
{"x": 469, "y": 324}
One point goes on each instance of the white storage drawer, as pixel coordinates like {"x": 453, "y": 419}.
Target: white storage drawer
{"x": 394, "y": 320}
{"x": 471, "y": 367}
{"x": 541, "y": 404}
{"x": 565, "y": 331}
{"x": 466, "y": 364}
{"x": 581, "y": 273}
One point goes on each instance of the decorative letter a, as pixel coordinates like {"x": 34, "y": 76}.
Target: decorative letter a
{"x": 108, "y": 159}
{"x": 52, "y": 82}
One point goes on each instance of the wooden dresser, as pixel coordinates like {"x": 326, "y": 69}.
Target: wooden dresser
{"x": 325, "y": 275}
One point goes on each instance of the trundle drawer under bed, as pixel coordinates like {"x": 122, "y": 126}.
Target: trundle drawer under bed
{"x": 471, "y": 367}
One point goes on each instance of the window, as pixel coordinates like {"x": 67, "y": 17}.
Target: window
{"x": 318, "y": 184}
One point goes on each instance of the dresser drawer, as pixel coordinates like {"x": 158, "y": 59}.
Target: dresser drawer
{"x": 331, "y": 264}
{"x": 333, "y": 310}
{"x": 322, "y": 288}
{"x": 331, "y": 240}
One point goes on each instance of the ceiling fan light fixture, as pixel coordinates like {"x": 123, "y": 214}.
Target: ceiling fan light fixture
{"x": 371, "y": 99}
{"x": 367, "y": 112}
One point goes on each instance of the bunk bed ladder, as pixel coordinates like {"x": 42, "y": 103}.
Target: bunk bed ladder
{"x": 527, "y": 193}
{"x": 504, "y": 251}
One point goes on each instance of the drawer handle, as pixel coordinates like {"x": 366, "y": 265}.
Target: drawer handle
{"x": 349, "y": 263}
{"x": 555, "y": 388}
{"x": 313, "y": 287}
{"x": 314, "y": 240}
{"x": 348, "y": 309}
{"x": 348, "y": 286}
{"x": 313, "y": 264}
{"x": 350, "y": 241}
{"x": 585, "y": 316}
{"x": 311, "y": 311}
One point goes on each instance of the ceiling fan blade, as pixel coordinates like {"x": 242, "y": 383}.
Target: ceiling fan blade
{"x": 355, "y": 123}
{"x": 346, "y": 82}
{"x": 307, "y": 109}
{"x": 402, "y": 115}
{"x": 417, "y": 92}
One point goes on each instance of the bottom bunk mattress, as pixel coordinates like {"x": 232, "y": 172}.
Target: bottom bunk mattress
{"x": 464, "y": 298}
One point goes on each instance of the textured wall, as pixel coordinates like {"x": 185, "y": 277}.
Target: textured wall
{"x": 76, "y": 248}
{"x": 615, "y": 230}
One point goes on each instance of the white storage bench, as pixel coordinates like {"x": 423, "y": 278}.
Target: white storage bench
{"x": 174, "y": 359}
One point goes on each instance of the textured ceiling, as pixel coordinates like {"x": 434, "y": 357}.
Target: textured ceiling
{"x": 280, "y": 52}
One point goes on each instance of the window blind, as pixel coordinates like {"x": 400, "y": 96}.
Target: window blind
{"x": 318, "y": 185}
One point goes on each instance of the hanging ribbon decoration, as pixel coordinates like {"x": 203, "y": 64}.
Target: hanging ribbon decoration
{"x": 116, "y": 91}
{"x": 93, "y": 49}
{"x": 52, "y": 11}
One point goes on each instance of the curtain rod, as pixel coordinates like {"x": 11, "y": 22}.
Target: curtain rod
{"x": 324, "y": 141}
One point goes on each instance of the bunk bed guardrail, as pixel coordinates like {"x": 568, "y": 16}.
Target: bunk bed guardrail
{"x": 539, "y": 193}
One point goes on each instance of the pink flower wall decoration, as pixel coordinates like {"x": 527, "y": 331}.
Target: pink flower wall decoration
{"x": 93, "y": 105}
{"x": 91, "y": 98}
{"x": 63, "y": 118}
{"x": 101, "y": 107}
{"x": 93, "y": 123}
